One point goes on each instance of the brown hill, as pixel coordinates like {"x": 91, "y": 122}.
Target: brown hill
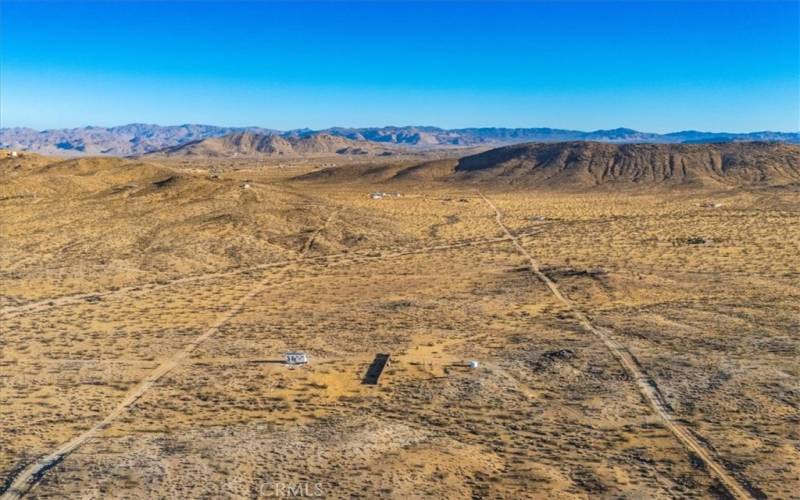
{"x": 250, "y": 144}
{"x": 581, "y": 165}
{"x": 154, "y": 218}
{"x": 584, "y": 164}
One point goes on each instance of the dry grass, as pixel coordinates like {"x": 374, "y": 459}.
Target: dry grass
{"x": 548, "y": 413}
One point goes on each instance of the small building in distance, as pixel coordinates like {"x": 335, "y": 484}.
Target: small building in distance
{"x": 296, "y": 358}
{"x": 380, "y": 196}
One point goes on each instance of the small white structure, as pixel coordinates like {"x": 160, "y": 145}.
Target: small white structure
{"x": 14, "y": 154}
{"x": 246, "y": 186}
{"x": 473, "y": 364}
{"x": 296, "y": 358}
{"x": 376, "y": 196}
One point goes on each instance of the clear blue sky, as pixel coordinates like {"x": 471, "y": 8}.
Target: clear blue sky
{"x": 655, "y": 66}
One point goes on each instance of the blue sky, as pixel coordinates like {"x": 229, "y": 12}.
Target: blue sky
{"x": 656, "y": 66}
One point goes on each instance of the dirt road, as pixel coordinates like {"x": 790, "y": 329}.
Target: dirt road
{"x": 644, "y": 384}
{"x": 32, "y": 474}
{"x": 142, "y": 288}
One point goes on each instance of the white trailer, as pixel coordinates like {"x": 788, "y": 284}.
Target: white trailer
{"x": 296, "y": 358}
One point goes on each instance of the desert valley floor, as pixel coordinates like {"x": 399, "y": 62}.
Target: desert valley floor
{"x": 631, "y": 343}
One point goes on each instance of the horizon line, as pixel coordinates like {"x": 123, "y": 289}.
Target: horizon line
{"x": 244, "y": 127}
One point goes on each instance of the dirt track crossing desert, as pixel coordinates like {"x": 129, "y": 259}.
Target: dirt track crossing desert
{"x": 28, "y": 477}
{"x": 644, "y": 384}
{"x": 41, "y": 305}
{"x": 144, "y": 358}
{"x": 404, "y": 250}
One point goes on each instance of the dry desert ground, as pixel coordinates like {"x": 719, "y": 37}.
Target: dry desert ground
{"x": 631, "y": 343}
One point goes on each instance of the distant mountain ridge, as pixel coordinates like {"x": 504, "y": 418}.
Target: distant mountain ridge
{"x": 125, "y": 140}
{"x": 253, "y": 144}
{"x": 138, "y": 138}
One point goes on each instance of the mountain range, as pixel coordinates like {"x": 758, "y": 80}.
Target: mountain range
{"x": 136, "y": 139}
{"x": 253, "y": 144}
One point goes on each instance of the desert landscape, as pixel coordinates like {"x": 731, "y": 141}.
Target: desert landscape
{"x": 547, "y": 319}
{"x": 402, "y": 250}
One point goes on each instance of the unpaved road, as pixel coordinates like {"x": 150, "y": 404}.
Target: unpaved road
{"x": 32, "y": 474}
{"x": 644, "y": 384}
{"x": 142, "y": 288}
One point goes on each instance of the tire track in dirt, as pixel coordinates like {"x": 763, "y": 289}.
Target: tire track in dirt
{"x": 33, "y": 473}
{"x": 141, "y": 288}
{"x": 645, "y": 385}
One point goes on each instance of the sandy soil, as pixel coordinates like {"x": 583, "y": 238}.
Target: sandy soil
{"x": 109, "y": 277}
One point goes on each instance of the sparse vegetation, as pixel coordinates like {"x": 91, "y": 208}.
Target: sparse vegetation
{"x": 101, "y": 286}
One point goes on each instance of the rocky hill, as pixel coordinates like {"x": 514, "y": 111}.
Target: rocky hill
{"x": 581, "y": 165}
